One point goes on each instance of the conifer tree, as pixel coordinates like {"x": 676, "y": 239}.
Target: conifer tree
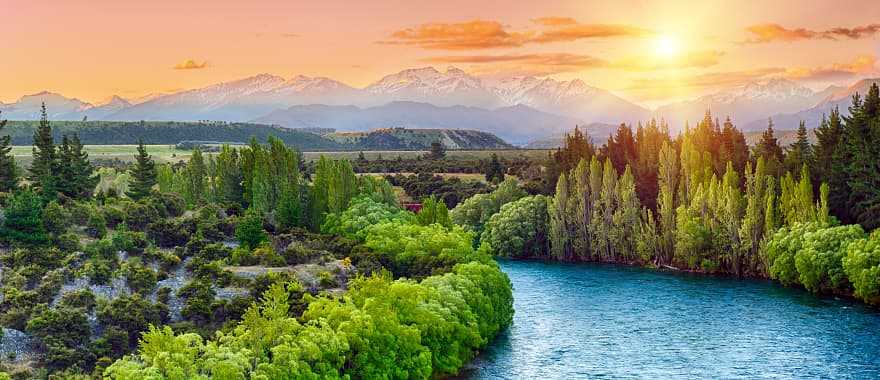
{"x": 800, "y": 152}
{"x": 861, "y": 157}
{"x": 438, "y": 151}
{"x": 195, "y": 175}
{"x": 229, "y": 176}
{"x": 769, "y": 148}
{"x": 76, "y": 174}
{"x": 8, "y": 169}
{"x": 828, "y": 136}
{"x": 143, "y": 174}
{"x": 494, "y": 170}
{"x": 43, "y": 170}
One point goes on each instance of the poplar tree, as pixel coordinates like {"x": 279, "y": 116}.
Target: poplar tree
{"x": 143, "y": 174}
{"x": 229, "y": 176}
{"x": 626, "y": 218}
{"x": 581, "y": 211}
{"x": 560, "y": 245}
{"x": 666, "y": 202}
{"x": 195, "y": 178}
{"x": 8, "y": 169}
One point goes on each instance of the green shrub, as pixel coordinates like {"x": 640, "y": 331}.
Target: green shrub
{"x": 139, "y": 215}
{"x": 249, "y": 229}
{"x": 56, "y": 219}
{"x": 168, "y": 233}
{"x": 862, "y": 267}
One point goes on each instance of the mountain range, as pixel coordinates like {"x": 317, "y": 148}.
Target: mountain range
{"x": 518, "y": 109}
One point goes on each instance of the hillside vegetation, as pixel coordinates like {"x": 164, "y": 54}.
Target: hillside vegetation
{"x": 402, "y": 138}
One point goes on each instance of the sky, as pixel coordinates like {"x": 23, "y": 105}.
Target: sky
{"x": 649, "y": 52}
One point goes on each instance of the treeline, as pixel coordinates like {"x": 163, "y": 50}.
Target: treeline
{"x": 705, "y": 201}
{"x": 170, "y": 133}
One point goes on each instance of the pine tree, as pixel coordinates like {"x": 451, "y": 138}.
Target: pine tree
{"x": 733, "y": 148}
{"x": 862, "y": 160}
{"x": 8, "y": 169}
{"x": 78, "y": 172}
{"x": 828, "y": 135}
{"x": 800, "y": 152}
{"x": 43, "y": 170}
{"x": 769, "y": 148}
{"x": 143, "y": 174}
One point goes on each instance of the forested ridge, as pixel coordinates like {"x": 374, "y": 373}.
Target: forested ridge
{"x": 230, "y": 266}
{"x": 704, "y": 201}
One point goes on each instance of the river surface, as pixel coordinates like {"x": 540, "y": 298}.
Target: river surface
{"x": 600, "y": 321}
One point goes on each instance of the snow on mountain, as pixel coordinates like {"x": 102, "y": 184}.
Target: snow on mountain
{"x": 746, "y": 104}
{"x": 108, "y": 106}
{"x": 572, "y": 98}
{"x": 57, "y": 106}
{"x": 428, "y": 85}
{"x": 833, "y": 97}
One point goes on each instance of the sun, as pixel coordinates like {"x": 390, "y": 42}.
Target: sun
{"x": 667, "y": 46}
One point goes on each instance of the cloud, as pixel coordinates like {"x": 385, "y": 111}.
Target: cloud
{"x": 763, "y": 33}
{"x": 190, "y": 64}
{"x": 860, "y": 65}
{"x": 715, "y": 79}
{"x": 524, "y": 64}
{"x": 483, "y": 34}
{"x": 554, "y": 21}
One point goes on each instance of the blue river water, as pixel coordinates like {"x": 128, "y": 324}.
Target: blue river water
{"x": 602, "y": 321}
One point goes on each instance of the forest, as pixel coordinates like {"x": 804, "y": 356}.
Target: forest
{"x": 704, "y": 201}
{"x": 239, "y": 264}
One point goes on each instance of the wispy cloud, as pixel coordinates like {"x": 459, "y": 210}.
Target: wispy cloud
{"x": 485, "y": 34}
{"x": 190, "y": 64}
{"x": 861, "y": 65}
{"x": 763, "y": 33}
{"x": 715, "y": 79}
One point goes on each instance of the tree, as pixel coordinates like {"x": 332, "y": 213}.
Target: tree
{"x": 8, "y": 169}
{"x": 23, "y": 219}
{"x": 494, "y": 170}
{"x": 733, "y": 147}
{"x": 769, "y": 148}
{"x": 666, "y": 201}
{"x": 143, "y": 174}
{"x": 438, "y": 151}
{"x": 76, "y": 177}
{"x": 195, "y": 179}
{"x": 860, "y": 157}
{"x": 249, "y": 229}
{"x": 229, "y": 176}
{"x": 434, "y": 211}
{"x": 829, "y": 134}
{"x": 626, "y": 218}
{"x": 559, "y": 223}
{"x": 44, "y": 166}
{"x": 520, "y": 229}
{"x": 800, "y": 152}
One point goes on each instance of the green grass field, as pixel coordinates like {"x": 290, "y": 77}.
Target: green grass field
{"x": 167, "y": 153}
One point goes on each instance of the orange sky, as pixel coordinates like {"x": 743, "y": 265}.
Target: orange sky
{"x": 646, "y": 51}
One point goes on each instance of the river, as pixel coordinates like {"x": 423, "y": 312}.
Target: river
{"x": 602, "y": 321}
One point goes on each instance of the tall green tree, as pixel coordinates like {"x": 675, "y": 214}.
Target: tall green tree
{"x": 862, "y": 154}
{"x": 494, "y": 170}
{"x": 768, "y": 147}
{"x": 800, "y": 152}
{"x": 666, "y": 200}
{"x": 143, "y": 174}
{"x": 829, "y": 134}
{"x": 560, "y": 232}
{"x": 44, "y": 167}
{"x": 195, "y": 178}
{"x": 8, "y": 169}
{"x": 76, "y": 177}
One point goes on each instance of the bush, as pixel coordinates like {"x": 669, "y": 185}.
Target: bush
{"x": 520, "y": 229}
{"x": 139, "y": 215}
{"x": 82, "y": 298}
{"x": 113, "y": 216}
{"x": 168, "y": 233}
{"x": 820, "y": 261}
{"x": 23, "y": 219}
{"x": 56, "y": 219}
{"x": 132, "y": 314}
{"x": 265, "y": 254}
{"x": 862, "y": 267}
{"x": 249, "y": 230}
{"x": 139, "y": 278}
{"x": 68, "y": 242}
{"x": 96, "y": 225}
{"x": 131, "y": 242}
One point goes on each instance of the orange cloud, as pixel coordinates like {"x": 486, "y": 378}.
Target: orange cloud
{"x": 716, "y": 79}
{"x": 190, "y": 64}
{"x": 477, "y": 34}
{"x": 554, "y": 21}
{"x": 763, "y": 33}
{"x": 863, "y": 64}
{"x": 481, "y": 34}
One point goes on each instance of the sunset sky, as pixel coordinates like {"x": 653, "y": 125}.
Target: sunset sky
{"x": 650, "y": 52}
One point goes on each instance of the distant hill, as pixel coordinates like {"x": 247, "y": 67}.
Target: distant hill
{"x": 515, "y": 124}
{"x": 402, "y": 138}
{"x": 172, "y": 133}
{"x": 785, "y": 137}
